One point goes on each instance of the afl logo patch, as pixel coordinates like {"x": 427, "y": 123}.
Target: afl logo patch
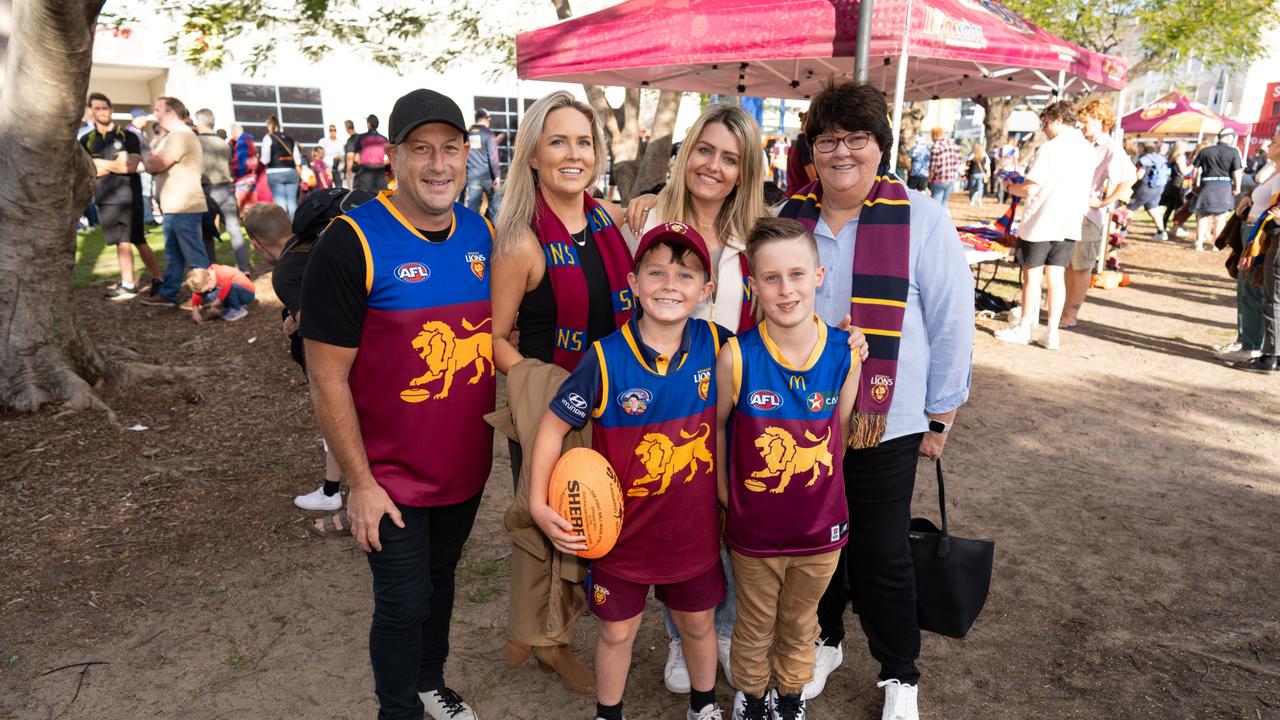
{"x": 412, "y": 272}
{"x": 765, "y": 400}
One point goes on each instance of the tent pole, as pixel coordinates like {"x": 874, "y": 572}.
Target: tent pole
{"x": 900, "y": 89}
{"x": 862, "y": 50}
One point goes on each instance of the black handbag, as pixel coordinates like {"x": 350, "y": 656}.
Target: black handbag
{"x": 953, "y": 574}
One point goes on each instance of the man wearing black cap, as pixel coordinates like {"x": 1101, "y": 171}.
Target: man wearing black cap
{"x": 367, "y": 158}
{"x": 484, "y": 174}
{"x": 400, "y": 359}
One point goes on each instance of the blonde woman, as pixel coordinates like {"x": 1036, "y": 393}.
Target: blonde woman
{"x": 979, "y": 169}
{"x": 560, "y": 270}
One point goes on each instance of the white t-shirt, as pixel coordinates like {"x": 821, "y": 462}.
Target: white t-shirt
{"x": 1262, "y": 196}
{"x": 332, "y": 149}
{"x": 1063, "y": 172}
{"x": 1113, "y": 168}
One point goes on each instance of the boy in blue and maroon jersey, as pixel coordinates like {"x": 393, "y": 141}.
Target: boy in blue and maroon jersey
{"x": 650, "y": 391}
{"x": 786, "y": 390}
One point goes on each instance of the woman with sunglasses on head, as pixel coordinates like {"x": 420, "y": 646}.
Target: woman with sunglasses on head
{"x": 894, "y": 262}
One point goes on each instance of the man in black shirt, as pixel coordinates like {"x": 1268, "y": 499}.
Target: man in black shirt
{"x": 484, "y": 174}
{"x": 367, "y": 158}
{"x": 1217, "y": 174}
{"x": 118, "y": 194}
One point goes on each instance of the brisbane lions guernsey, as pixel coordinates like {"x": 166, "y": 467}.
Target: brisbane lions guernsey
{"x": 786, "y": 480}
{"x": 655, "y": 424}
{"x": 423, "y": 375}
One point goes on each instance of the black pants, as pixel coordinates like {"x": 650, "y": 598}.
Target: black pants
{"x": 413, "y": 603}
{"x": 877, "y": 561}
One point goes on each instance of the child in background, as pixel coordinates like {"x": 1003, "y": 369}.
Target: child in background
{"x": 790, "y": 383}
{"x": 219, "y": 286}
{"x": 323, "y": 175}
{"x": 650, "y": 389}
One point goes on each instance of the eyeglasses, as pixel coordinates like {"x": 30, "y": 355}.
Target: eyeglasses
{"x": 853, "y": 141}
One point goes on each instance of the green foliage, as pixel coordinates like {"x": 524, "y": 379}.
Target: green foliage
{"x": 249, "y": 33}
{"x": 1160, "y": 34}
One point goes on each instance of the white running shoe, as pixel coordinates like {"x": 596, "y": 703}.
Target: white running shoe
{"x": 1052, "y": 341}
{"x": 1018, "y": 334}
{"x": 755, "y": 709}
{"x": 1239, "y": 355}
{"x": 899, "y": 701}
{"x": 723, "y": 645}
{"x": 675, "y": 675}
{"x": 1231, "y": 347}
{"x": 825, "y": 661}
{"x": 317, "y": 500}
{"x": 708, "y": 712}
{"x": 445, "y": 704}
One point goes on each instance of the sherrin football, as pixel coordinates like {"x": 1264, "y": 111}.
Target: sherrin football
{"x": 585, "y": 491}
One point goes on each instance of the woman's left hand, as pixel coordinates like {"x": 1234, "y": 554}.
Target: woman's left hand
{"x": 932, "y": 443}
{"x": 857, "y": 341}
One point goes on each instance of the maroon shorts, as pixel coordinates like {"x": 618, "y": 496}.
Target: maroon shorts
{"x": 613, "y": 599}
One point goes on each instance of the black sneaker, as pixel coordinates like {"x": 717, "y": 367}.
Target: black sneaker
{"x": 155, "y": 288}
{"x": 789, "y": 707}
{"x": 750, "y": 707}
{"x": 1265, "y": 364}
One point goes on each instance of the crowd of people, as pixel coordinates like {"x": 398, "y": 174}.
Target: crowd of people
{"x": 683, "y": 335}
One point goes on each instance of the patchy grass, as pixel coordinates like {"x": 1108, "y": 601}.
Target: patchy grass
{"x": 218, "y": 589}
{"x": 96, "y": 261}
{"x": 488, "y": 577}
{"x": 238, "y": 662}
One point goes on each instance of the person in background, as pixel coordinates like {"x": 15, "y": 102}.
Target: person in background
{"x": 1218, "y": 174}
{"x": 284, "y": 165}
{"x": 117, "y": 191}
{"x": 177, "y": 163}
{"x": 221, "y": 289}
{"x": 1153, "y": 175}
{"x": 800, "y": 171}
{"x": 367, "y": 158}
{"x": 945, "y": 166}
{"x": 979, "y": 168}
{"x": 219, "y": 186}
{"x": 1175, "y": 193}
{"x": 918, "y": 172}
{"x": 1057, "y": 189}
{"x": 1007, "y": 161}
{"x": 1255, "y": 345}
{"x": 320, "y": 169}
{"x": 484, "y": 173}
{"x": 335, "y": 154}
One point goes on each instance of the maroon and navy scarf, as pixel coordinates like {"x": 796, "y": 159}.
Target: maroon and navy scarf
{"x": 881, "y": 271}
{"x": 569, "y": 284}
{"x": 746, "y": 318}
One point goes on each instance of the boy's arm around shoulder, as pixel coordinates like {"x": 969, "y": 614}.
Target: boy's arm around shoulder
{"x": 849, "y": 395}
{"x": 726, "y": 391}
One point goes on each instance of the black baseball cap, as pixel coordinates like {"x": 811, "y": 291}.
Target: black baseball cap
{"x": 420, "y": 107}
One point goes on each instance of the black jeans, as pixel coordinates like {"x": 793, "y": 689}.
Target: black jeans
{"x": 413, "y": 603}
{"x": 877, "y": 561}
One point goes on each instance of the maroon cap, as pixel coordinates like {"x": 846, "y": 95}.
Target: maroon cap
{"x": 679, "y": 234}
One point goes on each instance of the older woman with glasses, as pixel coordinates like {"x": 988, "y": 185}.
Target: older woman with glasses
{"x": 894, "y": 262}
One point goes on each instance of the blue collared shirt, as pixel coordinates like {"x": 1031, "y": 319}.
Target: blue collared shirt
{"x": 936, "y": 355}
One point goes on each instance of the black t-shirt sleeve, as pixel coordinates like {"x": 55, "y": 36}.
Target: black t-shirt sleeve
{"x": 131, "y": 144}
{"x": 333, "y": 291}
{"x": 286, "y": 279}
{"x": 806, "y": 153}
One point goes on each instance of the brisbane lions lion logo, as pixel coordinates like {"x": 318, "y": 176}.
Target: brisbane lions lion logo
{"x": 785, "y": 458}
{"x": 446, "y": 354}
{"x": 663, "y": 459}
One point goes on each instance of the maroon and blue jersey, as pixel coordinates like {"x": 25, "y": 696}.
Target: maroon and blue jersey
{"x": 786, "y": 479}
{"x": 655, "y": 424}
{"x": 423, "y": 376}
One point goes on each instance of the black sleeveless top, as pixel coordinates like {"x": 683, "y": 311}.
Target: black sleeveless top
{"x": 282, "y": 153}
{"x": 536, "y": 320}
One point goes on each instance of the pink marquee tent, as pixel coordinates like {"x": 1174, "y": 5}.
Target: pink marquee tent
{"x": 1177, "y": 114}
{"x": 787, "y": 48}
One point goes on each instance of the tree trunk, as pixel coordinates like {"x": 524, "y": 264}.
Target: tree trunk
{"x": 998, "y": 110}
{"x": 45, "y": 354}
{"x": 657, "y": 155}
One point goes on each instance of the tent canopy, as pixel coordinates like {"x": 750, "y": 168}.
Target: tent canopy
{"x": 788, "y": 48}
{"x": 1177, "y": 114}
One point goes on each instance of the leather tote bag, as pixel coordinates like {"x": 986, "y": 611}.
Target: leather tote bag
{"x": 953, "y": 574}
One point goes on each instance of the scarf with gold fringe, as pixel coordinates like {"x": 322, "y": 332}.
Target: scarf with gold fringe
{"x": 881, "y": 277}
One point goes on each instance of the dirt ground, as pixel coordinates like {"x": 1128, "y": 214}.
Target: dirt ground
{"x": 1130, "y": 480}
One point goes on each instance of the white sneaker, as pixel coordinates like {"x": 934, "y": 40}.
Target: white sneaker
{"x": 1017, "y": 334}
{"x": 723, "y": 645}
{"x": 826, "y": 660}
{"x": 1052, "y": 341}
{"x": 754, "y": 710}
{"x": 317, "y": 500}
{"x": 675, "y": 675}
{"x": 445, "y": 704}
{"x": 1231, "y": 347}
{"x": 1239, "y": 355}
{"x": 708, "y": 712}
{"x": 787, "y": 707}
{"x": 899, "y": 701}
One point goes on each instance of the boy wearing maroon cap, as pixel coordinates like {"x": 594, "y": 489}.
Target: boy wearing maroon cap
{"x": 790, "y": 384}
{"x": 649, "y": 389}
